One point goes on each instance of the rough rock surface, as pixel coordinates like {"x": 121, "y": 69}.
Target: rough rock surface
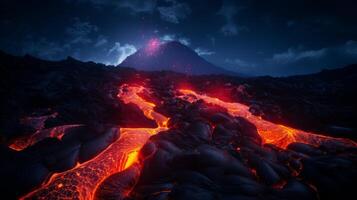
{"x": 205, "y": 154}
{"x": 226, "y": 160}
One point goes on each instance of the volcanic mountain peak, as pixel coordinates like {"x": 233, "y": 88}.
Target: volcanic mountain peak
{"x": 171, "y": 56}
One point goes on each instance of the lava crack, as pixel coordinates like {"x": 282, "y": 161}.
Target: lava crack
{"x": 82, "y": 181}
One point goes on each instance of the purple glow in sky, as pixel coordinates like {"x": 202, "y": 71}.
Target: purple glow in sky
{"x": 152, "y": 46}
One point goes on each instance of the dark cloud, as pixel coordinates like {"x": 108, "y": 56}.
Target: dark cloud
{"x": 275, "y": 37}
{"x": 294, "y": 55}
{"x": 80, "y": 32}
{"x": 174, "y": 12}
{"x": 301, "y": 61}
{"x": 173, "y": 37}
{"x": 229, "y": 11}
{"x": 204, "y": 52}
{"x": 169, "y": 10}
{"x": 137, "y": 6}
{"x": 102, "y": 40}
{"x": 120, "y": 52}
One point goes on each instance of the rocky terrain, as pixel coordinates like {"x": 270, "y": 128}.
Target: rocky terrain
{"x": 74, "y": 130}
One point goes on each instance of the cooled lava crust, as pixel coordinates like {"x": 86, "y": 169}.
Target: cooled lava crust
{"x": 74, "y": 130}
{"x": 201, "y": 147}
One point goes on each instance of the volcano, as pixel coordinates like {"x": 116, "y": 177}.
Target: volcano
{"x": 171, "y": 56}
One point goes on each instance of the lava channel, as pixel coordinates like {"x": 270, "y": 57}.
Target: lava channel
{"x": 56, "y": 132}
{"x": 82, "y": 181}
{"x": 276, "y": 134}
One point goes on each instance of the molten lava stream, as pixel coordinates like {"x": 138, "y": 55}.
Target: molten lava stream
{"x": 82, "y": 181}
{"x": 276, "y": 134}
{"x": 56, "y": 132}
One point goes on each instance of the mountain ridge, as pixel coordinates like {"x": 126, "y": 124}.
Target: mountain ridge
{"x": 172, "y": 56}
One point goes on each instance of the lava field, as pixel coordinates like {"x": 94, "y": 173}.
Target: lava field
{"x": 123, "y": 134}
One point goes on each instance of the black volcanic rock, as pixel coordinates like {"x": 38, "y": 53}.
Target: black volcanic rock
{"x": 171, "y": 56}
{"x": 205, "y": 154}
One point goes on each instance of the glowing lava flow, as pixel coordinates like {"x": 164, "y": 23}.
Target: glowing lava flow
{"x": 276, "y": 134}
{"x": 56, "y": 132}
{"x": 82, "y": 181}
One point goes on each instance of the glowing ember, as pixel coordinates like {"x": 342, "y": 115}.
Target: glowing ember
{"x": 82, "y": 181}
{"x": 152, "y": 46}
{"x": 276, "y": 134}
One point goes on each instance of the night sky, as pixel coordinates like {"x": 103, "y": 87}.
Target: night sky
{"x": 277, "y": 37}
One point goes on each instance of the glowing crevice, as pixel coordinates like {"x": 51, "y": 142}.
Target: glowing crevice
{"x": 271, "y": 133}
{"x": 82, "y": 181}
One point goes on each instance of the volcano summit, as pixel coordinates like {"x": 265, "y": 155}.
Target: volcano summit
{"x": 171, "y": 56}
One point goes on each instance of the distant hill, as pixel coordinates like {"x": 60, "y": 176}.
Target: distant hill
{"x": 172, "y": 56}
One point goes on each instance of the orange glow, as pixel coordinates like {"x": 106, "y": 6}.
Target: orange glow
{"x": 24, "y": 142}
{"x": 132, "y": 158}
{"x": 82, "y": 181}
{"x": 271, "y": 133}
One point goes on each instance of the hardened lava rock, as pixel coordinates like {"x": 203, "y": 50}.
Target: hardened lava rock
{"x": 25, "y": 170}
{"x": 212, "y": 155}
